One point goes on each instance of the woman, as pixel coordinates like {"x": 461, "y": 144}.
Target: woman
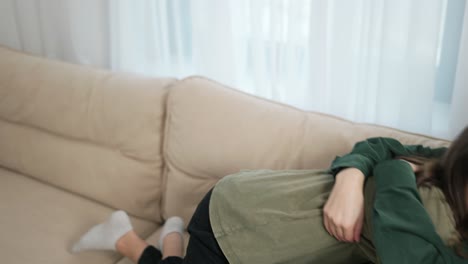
{"x": 269, "y": 216}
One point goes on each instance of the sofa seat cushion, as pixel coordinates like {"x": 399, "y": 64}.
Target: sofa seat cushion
{"x": 39, "y": 223}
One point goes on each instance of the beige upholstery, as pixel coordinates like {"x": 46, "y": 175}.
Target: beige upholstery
{"x": 80, "y": 128}
{"x": 39, "y": 223}
{"x": 77, "y": 143}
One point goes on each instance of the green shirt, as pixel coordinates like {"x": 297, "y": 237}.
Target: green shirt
{"x": 402, "y": 229}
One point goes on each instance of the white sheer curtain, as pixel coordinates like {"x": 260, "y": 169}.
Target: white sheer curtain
{"x": 459, "y": 104}
{"x": 71, "y": 30}
{"x": 390, "y": 62}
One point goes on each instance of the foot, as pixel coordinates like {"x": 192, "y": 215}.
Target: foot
{"x": 174, "y": 224}
{"x": 105, "y": 235}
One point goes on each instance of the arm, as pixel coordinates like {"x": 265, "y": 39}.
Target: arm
{"x": 366, "y": 154}
{"x": 343, "y": 212}
{"x": 403, "y": 231}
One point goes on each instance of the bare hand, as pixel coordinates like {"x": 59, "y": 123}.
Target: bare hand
{"x": 343, "y": 213}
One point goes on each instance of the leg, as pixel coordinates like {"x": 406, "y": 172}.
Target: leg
{"x": 203, "y": 247}
{"x": 171, "y": 241}
{"x": 152, "y": 255}
{"x": 117, "y": 234}
{"x": 114, "y": 234}
{"x": 173, "y": 245}
{"x": 131, "y": 246}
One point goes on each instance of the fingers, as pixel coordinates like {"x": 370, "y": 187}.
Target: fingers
{"x": 348, "y": 233}
{"x": 337, "y": 233}
{"x": 358, "y": 229}
{"x": 329, "y": 226}
{"x": 357, "y": 232}
{"x": 342, "y": 232}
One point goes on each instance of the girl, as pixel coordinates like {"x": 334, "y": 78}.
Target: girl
{"x": 306, "y": 216}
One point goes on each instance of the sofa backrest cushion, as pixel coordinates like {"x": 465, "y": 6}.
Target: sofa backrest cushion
{"x": 213, "y": 131}
{"x": 89, "y": 131}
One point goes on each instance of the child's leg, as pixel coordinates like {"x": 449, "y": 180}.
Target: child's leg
{"x": 132, "y": 246}
{"x": 117, "y": 234}
{"x": 137, "y": 250}
{"x": 171, "y": 240}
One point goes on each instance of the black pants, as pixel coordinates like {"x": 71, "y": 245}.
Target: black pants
{"x": 202, "y": 247}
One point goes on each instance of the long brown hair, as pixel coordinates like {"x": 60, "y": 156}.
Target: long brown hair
{"x": 450, "y": 174}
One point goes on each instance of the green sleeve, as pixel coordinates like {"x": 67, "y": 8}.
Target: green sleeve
{"x": 366, "y": 154}
{"x": 403, "y": 231}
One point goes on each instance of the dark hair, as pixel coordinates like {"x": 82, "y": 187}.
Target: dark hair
{"x": 450, "y": 174}
{"x": 454, "y": 170}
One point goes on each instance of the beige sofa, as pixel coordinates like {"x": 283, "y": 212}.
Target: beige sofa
{"x": 77, "y": 143}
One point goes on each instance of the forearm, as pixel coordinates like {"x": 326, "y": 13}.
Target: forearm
{"x": 350, "y": 178}
{"x": 403, "y": 231}
{"x": 366, "y": 154}
{"x": 344, "y": 210}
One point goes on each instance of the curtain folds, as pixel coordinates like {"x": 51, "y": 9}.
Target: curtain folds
{"x": 394, "y": 63}
{"x": 458, "y": 108}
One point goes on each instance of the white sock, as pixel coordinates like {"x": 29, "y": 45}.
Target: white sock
{"x": 173, "y": 224}
{"x": 105, "y": 235}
